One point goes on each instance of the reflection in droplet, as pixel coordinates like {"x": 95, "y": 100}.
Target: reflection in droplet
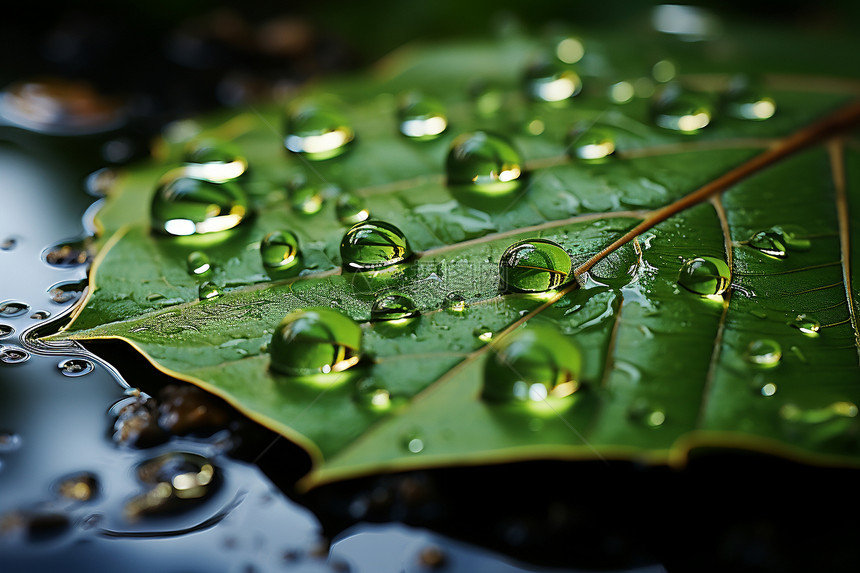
{"x": 317, "y": 130}
{"x": 778, "y": 240}
{"x": 421, "y": 117}
{"x": 6, "y": 330}
{"x": 350, "y": 209}
{"x": 307, "y": 199}
{"x": 279, "y": 251}
{"x": 8, "y": 244}
{"x": 174, "y": 478}
{"x": 13, "y": 355}
{"x": 549, "y": 83}
{"x": 706, "y": 276}
{"x": 198, "y": 264}
{"x": 534, "y": 265}
{"x": 590, "y": 142}
{"x": 483, "y": 333}
{"x": 372, "y": 396}
{"x": 681, "y": 110}
{"x": 393, "y": 306}
{"x": 214, "y": 160}
{"x": 40, "y": 315}
{"x": 764, "y": 352}
{"x": 79, "y": 487}
{"x": 485, "y": 163}
{"x": 9, "y": 442}
{"x": 186, "y": 206}
{"x": 532, "y": 364}
{"x": 209, "y": 290}
{"x": 454, "y": 303}
{"x": 745, "y": 100}
{"x": 66, "y": 291}
{"x": 805, "y": 324}
{"x": 373, "y": 245}
{"x": 11, "y": 309}
{"x": 69, "y": 254}
{"x": 314, "y": 341}
{"x": 74, "y": 367}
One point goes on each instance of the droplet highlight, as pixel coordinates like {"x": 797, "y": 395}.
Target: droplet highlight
{"x": 778, "y": 240}
{"x": 680, "y": 110}
{"x": 534, "y": 265}
{"x": 214, "y": 160}
{"x": 805, "y": 324}
{"x": 745, "y": 100}
{"x": 74, "y": 367}
{"x": 485, "y": 163}
{"x": 764, "y": 352}
{"x": 315, "y": 341}
{"x": 318, "y": 131}
{"x": 279, "y": 251}
{"x": 590, "y": 143}
{"x": 186, "y": 206}
{"x": 198, "y": 265}
{"x": 373, "y": 245}
{"x": 421, "y": 117}
{"x": 547, "y": 82}
{"x": 350, "y": 209}
{"x": 706, "y": 276}
{"x": 209, "y": 290}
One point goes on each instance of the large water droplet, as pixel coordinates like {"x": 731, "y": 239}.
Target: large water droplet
{"x": 209, "y": 290}
{"x": 393, "y": 306}
{"x": 67, "y": 291}
{"x": 188, "y": 206}
{"x": 198, "y": 264}
{"x": 764, "y": 352}
{"x": 11, "y": 309}
{"x": 681, "y": 110}
{"x": 350, "y": 209}
{"x": 485, "y": 163}
{"x": 74, "y": 367}
{"x": 6, "y": 330}
{"x": 545, "y": 81}
{"x": 373, "y": 245}
{"x": 214, "y": 160}
{"x": 174, "y": 477}
{"x": 314, "y": 341}
{"x": 534, "y": 265}
{"x": 590, "y": 142}
{"x": 13, "y": 355}
{"x": 805, "y": 324}
{"x": 69, "y": 254}
{"x": 317, "y": 130}
{"x": 779, "y": 240}
{"x": 532, "y": 365}
{"x": 745, "y": 100}
{"x": 280, "y": 252}
{"x": 421, "y": 117}
{"x": 707, "y": 276}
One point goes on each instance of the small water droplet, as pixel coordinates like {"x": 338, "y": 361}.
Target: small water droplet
{"x": 778, "y": 240}
{"x": 6, "y": 330}
{"x": 485, "y": 163}
{"x": 187, "y": 206}
{"x": 745, "y": 100}
{"x": 643, "y": 412}
{"x": 373, "y": 245}
{"x": 531, "y": 365}
{"x": 314, "y": 341}
{"x": 547, "y": 82}
{"x": 570, "y": 50}
{"x": 69, "y": 254}
{"x": 534, "y": 265}
{"x": 706, "y": 276}
{"x": 75, "y": 367}
{"x": 372, "y": 396}
{"x": 590, "y": 142}
{"x": 350, "y": 209}
{"x": 280, "y": 252}
{"x": 764, "y": 352}
{"x": 11, "y": 309}
{"x": 198, "y": 264}
{"x": 9, "y": 442}
{"x": 680, "y": 110}
{"x": 8, "y": 244}
{"x": 307, "y": 199}
{"x": 66, "y": 291}
{"x": 421, "y": 117}
{"x": 83, "y": 486}
{"x": 13, "y": 355}
{"x": 214, "y": 160}
{"x": 173, "y": 478}
{"x": 209, "y": 290}
{"x": 805, "y": 324}
{"x": 40, "y": 315}
{"x": 393, "y": 306}
{"x": 317, "y": 130}
{"x": 454, "y": 303}
{"x": 413, "y": 442}
{"x": 483, "y": 334}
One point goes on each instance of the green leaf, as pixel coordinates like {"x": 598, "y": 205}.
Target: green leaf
{"x": 768, "y": 362}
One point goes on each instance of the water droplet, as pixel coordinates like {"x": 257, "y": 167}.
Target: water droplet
{"x": 805, "y": 324}
{"x": 8, "y": 244}
{"x": 75, "y": 367}
{"x": 6, "y": 330}
{"x": 198, "y": 264}
{"x": 187, "y": 206}
{"x": 317, "y": 130}
{"x": 779, "y": 239}
{"x": 421, "y": 117}
{"x": 69, "y": 254}
{"x": 485, "y": 163}
{"x": 643, "y": 412}
{"x": 413, "y": 442}
{"x": 483, "y": 333}
{"x": 13, "y": 355}
{"x": 681, "y": 110}
{"x": 547, "y": 82}
{"x": 534, "y": 265}
{"x": 9, "y": 442}
{"x": 350, "y": 209}
{"x": 707, "y": 276}
{"x": 83, "y": 486}
{"x": 454, "y": 303}
{"x": 394, "y": 306}
{"x": 373, "y": 245}
{"x": 40, "y": 315}
{"x": 214, "y": 160}
{"x": 745, "y": 100}
{"x": 764, "y": 352}
{"x": 570, "y": 50}
{"x": 313, "y": 341}
{"x": 173, "y": 477}
{"x": 307, "y": 199}
{"x": 590, "y": 142}
{"x": 11, "y": 309}
{"x": 100, "y": 182}
{"x": 279, "y": 251}
{"x": 766, "y": 389}
{"x": 371, "y": 395}
{"x": 531, "y": 365}
{"x": 67, "y": 291}
{"x": 209, "y": 290}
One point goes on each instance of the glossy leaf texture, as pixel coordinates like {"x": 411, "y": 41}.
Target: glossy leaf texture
{"x": 730, "y": 323}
